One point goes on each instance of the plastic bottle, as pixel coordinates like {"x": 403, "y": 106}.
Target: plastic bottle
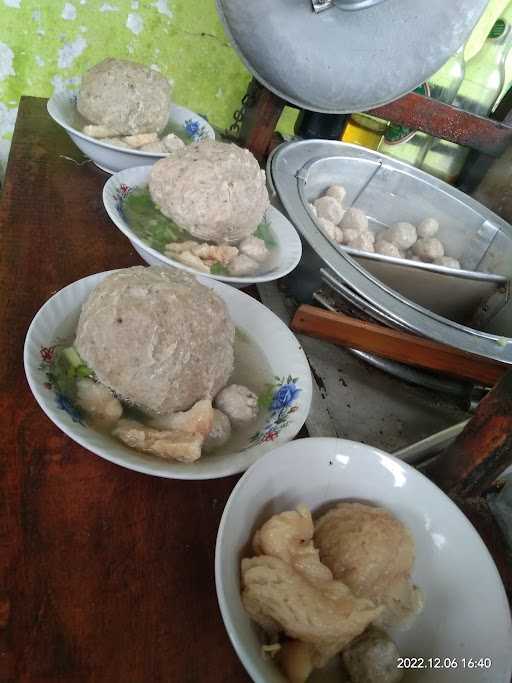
{"x": 482, "y": 85}
{"x": 364, "y": 130}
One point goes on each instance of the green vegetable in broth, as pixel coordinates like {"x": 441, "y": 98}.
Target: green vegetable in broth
{"x": 266, "y": 396}
{"x": 67, "y": 367}
{"x": 264, "y": 233}
{"x": 218, "y": 269}
{"x": 149, "y": 223}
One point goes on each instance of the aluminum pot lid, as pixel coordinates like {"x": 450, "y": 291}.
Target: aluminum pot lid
{"x": 351, "y": 279}
{"x": 348, "y": 55}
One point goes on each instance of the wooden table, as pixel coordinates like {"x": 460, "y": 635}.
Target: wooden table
{"x": 105, "y": 574}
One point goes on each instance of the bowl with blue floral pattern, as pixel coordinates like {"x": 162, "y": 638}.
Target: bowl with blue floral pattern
{"x": 268, "y": 359}
{"x": 183, "y": 123}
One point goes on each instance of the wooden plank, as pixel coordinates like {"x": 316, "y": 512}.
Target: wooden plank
{"x": 105, "y": 574}
{"x": 483, "y": 450}
{"x": 400, "y": 346}
{"x": 445, "y": 121}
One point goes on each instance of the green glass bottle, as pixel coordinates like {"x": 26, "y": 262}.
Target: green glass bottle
{"x": 481, "y": 87}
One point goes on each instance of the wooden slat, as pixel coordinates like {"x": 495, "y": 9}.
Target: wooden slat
{"x": 400, "y": 346}
{"x": 444, "y": 121}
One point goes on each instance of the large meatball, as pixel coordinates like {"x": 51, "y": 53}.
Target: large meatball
{"x": 157, "y": 338}
{"x": 215, "y": 190}
{"x": 372, "y": 552}
{"x": 127, "y": 97}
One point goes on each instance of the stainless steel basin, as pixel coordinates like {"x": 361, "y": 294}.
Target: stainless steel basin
{"x": 469, "y": 309}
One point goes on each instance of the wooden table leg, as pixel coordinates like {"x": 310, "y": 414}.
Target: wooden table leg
{"x": 483, "y": 450}
{"x": 470, "y": 466}
{"x": 262, "y": 112}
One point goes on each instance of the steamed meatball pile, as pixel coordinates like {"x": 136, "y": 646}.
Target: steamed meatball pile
{"x": 160, "y": 342}
{"x": 127, "y": 104}
{"x": 349, "y": 227}
{"x": 318, "y": 590}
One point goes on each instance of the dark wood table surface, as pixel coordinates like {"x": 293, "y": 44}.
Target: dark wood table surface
{"x": 105, "y": 574}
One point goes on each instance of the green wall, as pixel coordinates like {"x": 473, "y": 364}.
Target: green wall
{"x": 46, "y": 45}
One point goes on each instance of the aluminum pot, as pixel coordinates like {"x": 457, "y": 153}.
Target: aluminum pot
{"x": 469, "y": 309}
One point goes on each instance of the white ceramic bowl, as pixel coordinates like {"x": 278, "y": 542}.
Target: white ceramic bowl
{"x": 62, "y": 109}
{"x": 57, "y": 320}
{"x": 466, "y": 612}
{"x": 285, "y": 256}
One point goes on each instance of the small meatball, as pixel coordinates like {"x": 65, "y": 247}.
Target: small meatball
{"x": 168, "y": 444}
{"x": 388, "y": 249}
{"x": 99, "y": 132}
{"x": 349, "y": 235}
{"x": 254, "y": 248}
{"x": 197, "y": 420}
{"x": 329, "y": 208}
{"x": 402, "y": 235}
{"x": 192, "y": 261}
{"x": 338, "y": 192}
{"x": 355, "y": 219}
{"x": 428, "y": 248}
{"x": 296, "y": 661}
{"x": 98, "y": 401}
{"x": 141, "y": 139}
{"x": 428, "y": 227}
{"x": 153, "y": 147}
{"x": 363, "y": 242}
{"x": 239, "y": 403}
{"x": 118, "y": 142}
{"x": 172, "y": 142}
{"x": 447, "y": 262}
{"x": 242, "y": 265}
{"x": 339, "y": 235}
{"x": 312, "y": 209}
{"x": 219, "y": 433}
{"x": 332, "y": 231}
{"x": 372, "y": 658}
